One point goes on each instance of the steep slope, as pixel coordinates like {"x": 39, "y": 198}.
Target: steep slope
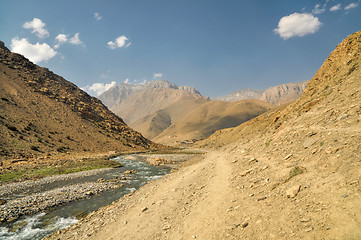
{"x": 203, "y": 120}
{"x": 292, "y": 173}
{"x": 284, "y": 93}
{"x": 42, "y": 113}
{"x": 276, "y": 95}
{"x": 311, "y": 147}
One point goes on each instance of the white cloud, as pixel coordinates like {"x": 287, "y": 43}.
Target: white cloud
{"x": 76, "y": 40}
{"x": 38, "y": 27}
{"x": 351, "y": 5}
{"x": 98, "y": 88}
{"x": 121, "y": 41}
{"x": 126, "y": 80}
{"x": 157, "y": 75}
{"x": 297, "y": 25}
{"x": 97, "y": 16}
{"x": 34, "y": 52}
{"x": 335, "y": 8}
{"x": 318, "y": 9}
{"x": 60, "y": 39}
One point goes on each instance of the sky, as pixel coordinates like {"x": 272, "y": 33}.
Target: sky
{"x": 216, "y": 46}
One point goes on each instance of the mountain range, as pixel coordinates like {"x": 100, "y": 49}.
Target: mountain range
{"x": 276, "y": 95}
{"x": 169, "y": 114}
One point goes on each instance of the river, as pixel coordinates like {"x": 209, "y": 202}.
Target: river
{"x": 44, "y": 223}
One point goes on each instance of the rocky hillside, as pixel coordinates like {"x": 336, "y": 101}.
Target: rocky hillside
{"x": 277, "y": 95}
{"x": 42, "y": 113}
{"x": 307, "y": 155}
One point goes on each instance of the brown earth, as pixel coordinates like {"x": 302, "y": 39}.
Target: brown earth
{"x": 292, "y": 173}
{"x": 43, "y": 115}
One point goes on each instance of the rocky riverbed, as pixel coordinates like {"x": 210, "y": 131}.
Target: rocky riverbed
{"x": 15, "y": 206}
{"x": 7, "y": 190}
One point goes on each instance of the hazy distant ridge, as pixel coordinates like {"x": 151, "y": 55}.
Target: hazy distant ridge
{"x": 118, "y": 93}
{"x": 275, "y": 95}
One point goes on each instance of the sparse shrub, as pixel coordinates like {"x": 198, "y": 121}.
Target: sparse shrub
{"x": 268, "y": 142}
{"x": 5, "y": 99}
{"x": 12, "y": 128}
{"x": 40, "y": 140}
{"x": 34, "y": 148}
{"x": 62, "y": 149}
{"x": 296, "y": 171}
{"x": 60, "y": 140}
{"x": 293, "y": 173}
{"x": 69, "y": 138}
{"x": 277, "y": 125}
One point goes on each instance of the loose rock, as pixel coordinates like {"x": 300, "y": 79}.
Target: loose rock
{"x": 293, "y": 191}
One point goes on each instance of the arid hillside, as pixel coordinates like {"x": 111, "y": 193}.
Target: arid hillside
{"x": 43, "y": 114}
{"x": 169, "y": 114}
{"x": 291, "y": 173}
{"x": 204, "y": 119}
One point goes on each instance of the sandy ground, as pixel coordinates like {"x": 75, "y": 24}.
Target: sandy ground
{"x": 231, "y": 194}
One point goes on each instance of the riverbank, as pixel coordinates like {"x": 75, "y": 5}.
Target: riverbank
{"x": 30, "y": 197}
{"x": 33, "y": 196}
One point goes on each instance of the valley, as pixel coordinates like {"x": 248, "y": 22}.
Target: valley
{"x": 180, "y": 115}
{"x": 290, "y": 173}
{"x": 287, "y": 167}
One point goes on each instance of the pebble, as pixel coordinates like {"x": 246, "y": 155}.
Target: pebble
{"x": 293, "y": 191}
{"x": 245, "y": 224}
{"x": 166, "y": 227}
{"x": 261, "y": 198}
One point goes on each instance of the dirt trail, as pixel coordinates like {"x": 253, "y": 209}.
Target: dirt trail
{"x": 231, "y": 194}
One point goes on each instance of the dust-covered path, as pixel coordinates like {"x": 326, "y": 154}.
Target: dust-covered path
{"x": 188, "y": 203}
{"x": 230, "y": 194}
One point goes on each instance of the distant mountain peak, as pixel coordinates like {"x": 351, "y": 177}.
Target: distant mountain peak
{"x": 275, "y": 95}
{"x": 160, "y": 84}
{"x": 118, "y": 93}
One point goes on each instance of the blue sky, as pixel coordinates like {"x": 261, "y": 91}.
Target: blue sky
{"x": 215, "y": 46}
